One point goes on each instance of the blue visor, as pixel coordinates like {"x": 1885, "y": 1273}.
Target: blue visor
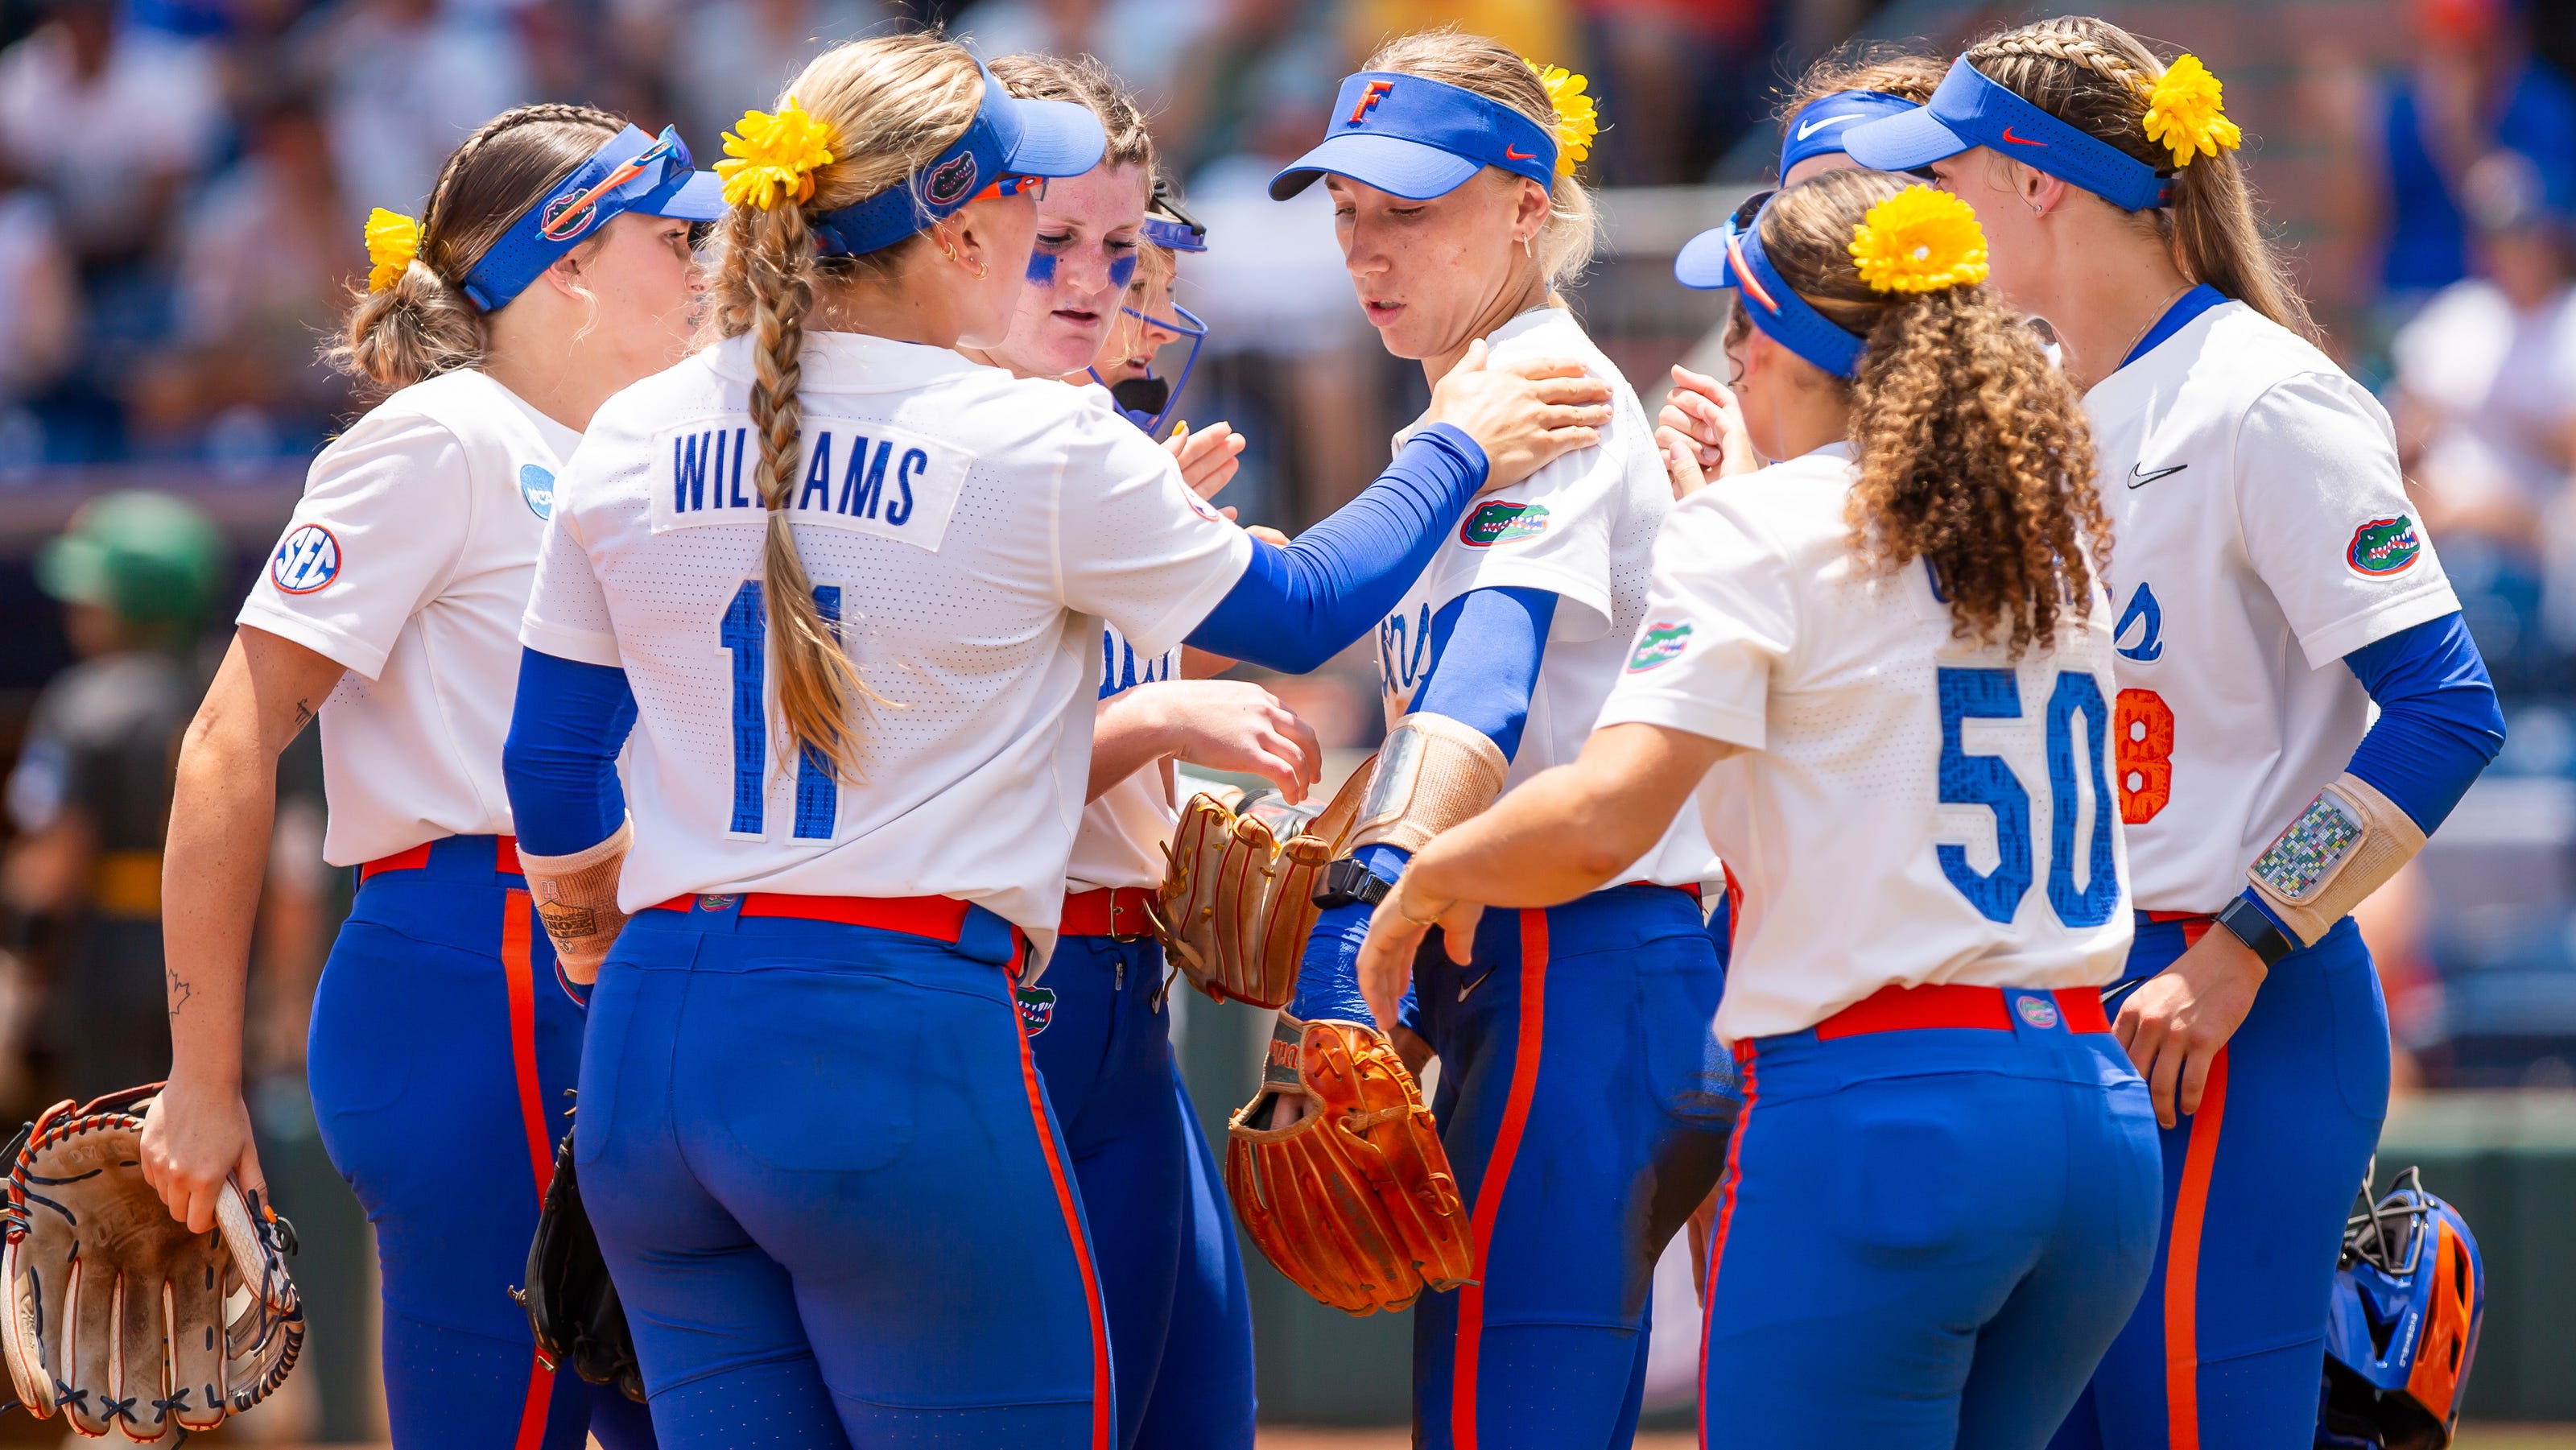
{"x": 1732, "y": 256}
{"x": 1008, "y": 139}
{"x": 1970, "y": 110}
{"x": 1817, "y": 129}
{"x": 633, "y": 172}
{"x": 1418, "y": 139}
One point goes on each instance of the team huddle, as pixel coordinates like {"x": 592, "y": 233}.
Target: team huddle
{"x": 1889, "y": 816}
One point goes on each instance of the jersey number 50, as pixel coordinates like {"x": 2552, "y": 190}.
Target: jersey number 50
{"x": 744, "y": 633}
{"x": 1986, "y": 780}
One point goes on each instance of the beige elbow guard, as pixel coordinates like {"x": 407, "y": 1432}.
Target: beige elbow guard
{"x": 1432, "y": 773}
{"x": 2343, "y": 847}
{"x": 576, "y": 898}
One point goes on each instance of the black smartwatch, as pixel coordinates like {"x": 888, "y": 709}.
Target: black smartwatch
{"x": 2247, "y": 923}
{"x": 1347, "y": 881}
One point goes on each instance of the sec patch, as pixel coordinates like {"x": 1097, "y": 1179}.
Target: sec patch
{"x": 2383, "y": 547}
{"x": 1660, "y": 644}
{"x": 307, "y": 559}
{"x": 1494, "y": 523}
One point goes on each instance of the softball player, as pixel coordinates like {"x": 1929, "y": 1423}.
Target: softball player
{"x": 1580, "y": 1095}
{"x": 552, "y": 267}
{"x": 1940, "y": 1197}
{"x": 1171, "y": 1276}
{"x": 846, "y": 589}
{"x": 2264, "y": 534}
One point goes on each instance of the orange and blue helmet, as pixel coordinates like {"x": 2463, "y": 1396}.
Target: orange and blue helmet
{"x": 2402, "y": 1327}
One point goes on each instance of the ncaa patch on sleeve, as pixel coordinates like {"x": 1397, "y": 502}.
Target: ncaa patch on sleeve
{"x": 2383, "y": 547}
{"x": 307, "y": 559}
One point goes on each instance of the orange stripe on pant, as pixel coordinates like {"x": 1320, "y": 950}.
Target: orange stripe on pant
{"x": 1717, "y": 1238}
{"x": 1498, "y": 1174}
{"x": 519, "y": 975}
{"x": 1100, "y": 1404}
{"x": 2182, "y": 1264}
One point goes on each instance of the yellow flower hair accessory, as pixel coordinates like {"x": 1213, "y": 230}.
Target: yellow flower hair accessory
{"x": 1920, "y": 240}
{"x": 1577, "y": 120}
{"x": 2184, "y": 113}
{"x": 773, "y": 158}
{"x": 392, "y": 241}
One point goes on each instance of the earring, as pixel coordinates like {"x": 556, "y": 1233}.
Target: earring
{"x": 981, "y": 270}
{"x": 1526, "y": 249}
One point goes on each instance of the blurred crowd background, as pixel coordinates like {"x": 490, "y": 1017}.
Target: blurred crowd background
{"x": 182, "y": 184}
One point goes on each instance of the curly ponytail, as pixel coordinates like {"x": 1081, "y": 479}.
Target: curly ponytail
{"x": 1973, "y": 451}
{"x": 423, "y": 325}
{"x": 893, "y": 104}
{"x": 2095, "y": 76}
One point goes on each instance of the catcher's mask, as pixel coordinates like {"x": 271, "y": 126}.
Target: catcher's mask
{"x": 1148, "y": 401}
{"x": 2402, "y": 1327}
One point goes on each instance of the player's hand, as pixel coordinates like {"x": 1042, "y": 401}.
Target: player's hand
{"x": 1209, "y": 458}
{"x": 1705, "y": 411}
{"x": 1237, "y": 725}
{"x": 1395, "y": 934}
{"x": 1524, "y": 414}
{"x": 1681, "y": 463}
{"x": 2176, "y": 1022}
{"x": 193, "y": 1139}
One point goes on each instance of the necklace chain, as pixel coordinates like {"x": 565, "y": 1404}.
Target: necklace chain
{"x": 2152, "y": 319}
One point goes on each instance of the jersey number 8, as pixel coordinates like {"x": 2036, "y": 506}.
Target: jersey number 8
{"x": 1986, "y": 780}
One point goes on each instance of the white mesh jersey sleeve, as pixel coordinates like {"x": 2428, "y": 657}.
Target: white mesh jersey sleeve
{"x": 2326, "y": 520}
{"x": 1134, "y": 546}
{"x": 567, "y": 612}
{"x": 386, "y": 513}
{"x": 1721, "y": 616}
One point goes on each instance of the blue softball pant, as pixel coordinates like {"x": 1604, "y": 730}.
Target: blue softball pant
{"x": 2226, "y": 1348}
{"x": 1171, "y": 1277}
{"x": 1926, "y": 1237}
{"x": 1584, "y": 1102}
{"x": 831, "y": 1192}
{"x": 444, "y": 1047}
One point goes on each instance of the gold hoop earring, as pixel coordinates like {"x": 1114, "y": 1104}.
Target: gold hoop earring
{"x": 981, "y": 270}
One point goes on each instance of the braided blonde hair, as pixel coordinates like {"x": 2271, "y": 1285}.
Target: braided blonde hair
{"x": 2095, "y": 76}
{"x": 423, "y": 325}
{"x": 893, "y": 104}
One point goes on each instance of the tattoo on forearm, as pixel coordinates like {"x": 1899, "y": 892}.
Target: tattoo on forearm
{"x": 180, "y": 992}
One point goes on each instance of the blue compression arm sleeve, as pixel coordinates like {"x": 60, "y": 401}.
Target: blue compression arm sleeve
{"x": 1486, "y": 682}
{"x": 560, "y": 761}
{"x": 1296, "y": 607}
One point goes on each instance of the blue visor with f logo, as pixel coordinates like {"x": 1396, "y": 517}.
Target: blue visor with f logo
{"x": 1419, "y": 138}
{"x": 633, "y": 172}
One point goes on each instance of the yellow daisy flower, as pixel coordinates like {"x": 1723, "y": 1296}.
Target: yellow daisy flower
{"x": 772, "y": 159}
{"x": 392, "y": 241}
{"x": 1920, "y": 240}
{"x": 1577, "y": 120}
{"x": 2184, "y": 113}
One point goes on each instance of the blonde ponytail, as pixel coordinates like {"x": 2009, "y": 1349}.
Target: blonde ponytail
{"x": 890, "y": 106}
{"x": 2095, "y": 76}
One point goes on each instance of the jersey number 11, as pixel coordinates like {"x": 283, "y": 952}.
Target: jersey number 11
{"x": 745, "y": 634}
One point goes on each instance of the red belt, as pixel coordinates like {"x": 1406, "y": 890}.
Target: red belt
{"x": 1899, "y": 1009}
{"x": 1109, "y": 911}
{"x": 505, "y": 859}
{"x": 942, "y": 918}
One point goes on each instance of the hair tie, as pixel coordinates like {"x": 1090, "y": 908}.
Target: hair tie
{"x": 2185, "y": 113}
{"x": 1577, "y": 119}
{"x": 393, "y": 241}
{"x": 1920, "y": 240}
{"x": 774, "y": 158}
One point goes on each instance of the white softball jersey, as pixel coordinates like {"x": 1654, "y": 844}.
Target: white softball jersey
{"x": 1120, "y": 841}
{"x": 1907, "y": 807}
{"x": 409, "y": 561}
{"x": 1582, "y": 528}
{"x": 2260, "y": 533}
{"x": 969, "y": 532}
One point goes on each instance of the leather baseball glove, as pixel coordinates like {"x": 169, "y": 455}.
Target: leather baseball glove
{"x": 118, "y": 1316}
{"x": 1237, "y": 902}
{"x": 572, "y": 1305}
{"x": 1355, "y": 1203}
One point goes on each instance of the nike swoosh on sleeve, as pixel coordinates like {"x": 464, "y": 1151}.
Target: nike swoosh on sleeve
{"x": 2139, "y": 477}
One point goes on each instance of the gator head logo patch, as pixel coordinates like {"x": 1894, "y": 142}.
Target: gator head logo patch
{"x": 2384, "y": 546}
{"x": 949, "y": 182}
{"x": 1489, "y": 524}
{"x": 1037, "y": 1007}
{"x": 1660, "y": 645}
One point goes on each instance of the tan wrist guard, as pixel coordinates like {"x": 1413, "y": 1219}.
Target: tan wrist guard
{"x": 576, "y": 898}
{"x": 1432, "y": 773}
{"x": 2344, "y": 846}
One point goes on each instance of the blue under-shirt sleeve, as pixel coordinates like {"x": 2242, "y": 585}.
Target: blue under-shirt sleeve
{"x": 2438, "y": 725}
{"x": 566, "y": 727}
{"x": 1486, "y": 682}
{"x": 1296, "y": 607}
